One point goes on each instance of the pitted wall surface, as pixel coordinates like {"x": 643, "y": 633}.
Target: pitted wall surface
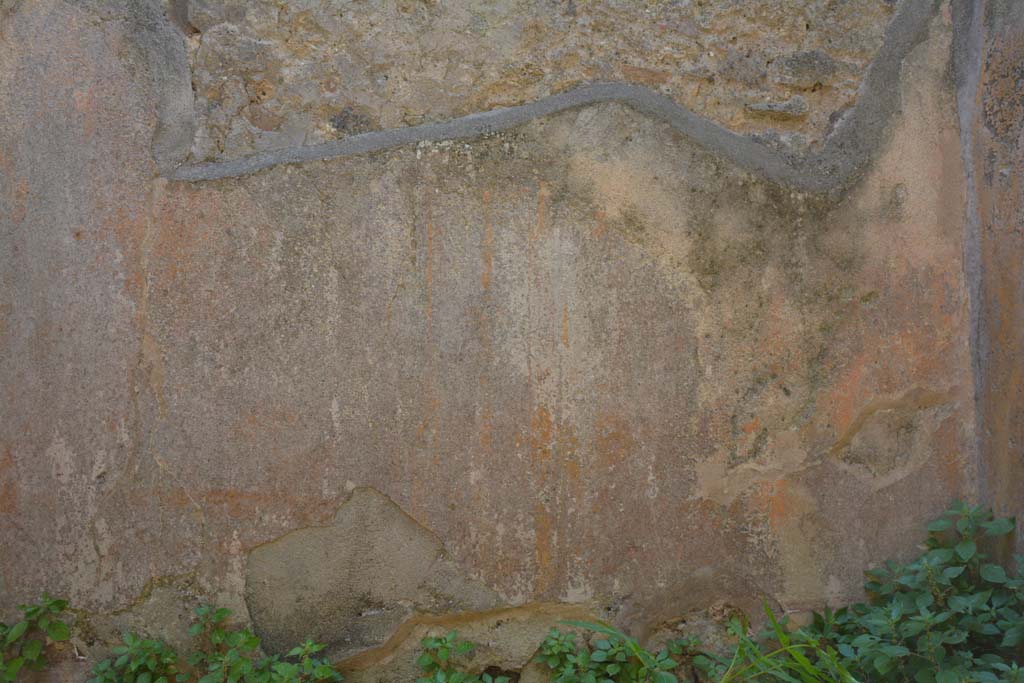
{"x": 607, "y": 358}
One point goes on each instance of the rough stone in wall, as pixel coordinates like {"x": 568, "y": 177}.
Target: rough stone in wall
{"x": 269, "y": 75}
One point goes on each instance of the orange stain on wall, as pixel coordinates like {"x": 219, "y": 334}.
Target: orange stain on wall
{"x": 8, "y": 487}
{"x": 614, "y": 439}
{"x": 544, "y": 543}
{"x": 487, "y": 245}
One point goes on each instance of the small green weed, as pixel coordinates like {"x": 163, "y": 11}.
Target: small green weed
{"x": 230, "y": 655}
{"x": 139, "y": 660}
{"x": 439, "y": 661}
{"x": 23, "y": 644}
{"x": 952, "y": 615}
{"x": 225, "y": 655}
{"x": 304, "y": 667}
{"x": 617, "y": 658}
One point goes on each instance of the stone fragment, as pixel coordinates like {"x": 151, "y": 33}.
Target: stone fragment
{"x": 793, "y": 108}
{"x": 205, "y": 14}
{"x": 746, "y": 67}
{"x": 349, "y": 121}
{"x": 805, "y": 69}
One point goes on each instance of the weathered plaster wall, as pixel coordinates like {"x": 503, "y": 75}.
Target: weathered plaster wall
{"x": 596, "y": 355}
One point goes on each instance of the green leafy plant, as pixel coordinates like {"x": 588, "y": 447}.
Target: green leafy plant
{"x": 616, "y": 658}
{"x": 139, "y": 660}
{"x": 304, "y": 667}
{"x": 23, "y": 644}
{"x": 782, "y": 656}
{"x": 224, "y": 655}
{"x": 439, "y": 661}
{"x": 952, "y": 615}
{"x": 229, "y": 655}
{"x": 621, "y": 659}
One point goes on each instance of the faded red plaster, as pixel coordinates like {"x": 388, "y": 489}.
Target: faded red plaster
{"x": 544, "y": 548}
{"x": 781, "y": 507}
{"x": 950, "y": 456}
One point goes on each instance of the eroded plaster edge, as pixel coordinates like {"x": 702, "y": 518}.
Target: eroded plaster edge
{"x": 968, "y": 58}
{"x": 844, "y": 155}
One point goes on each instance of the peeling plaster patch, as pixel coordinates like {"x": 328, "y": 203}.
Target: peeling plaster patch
{"x": 764, "y": 326}
{"x": 352, "y": 584}
{"x": 878, "y": 446}
{"x": 722, "y": 484}
{"x": 883, "y": 444}
{"x": 909, "y": 403}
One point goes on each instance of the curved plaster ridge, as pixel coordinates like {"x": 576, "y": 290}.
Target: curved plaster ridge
{"x": 844, "y": 154}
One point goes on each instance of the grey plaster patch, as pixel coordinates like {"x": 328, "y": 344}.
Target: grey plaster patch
{"x": 157, "y": 53}
{"x": 351, "y": 584}
{"x": 161, "y": 47}
{"x": 843, "y": 157}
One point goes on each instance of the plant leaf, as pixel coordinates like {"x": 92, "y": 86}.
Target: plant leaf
{"x": 58, "y": 630}
{"x": 994, "y": 573}
{"x": 16, "y": 632}
{"x": 32, "y": 649}
{"x": 966, "y": 549}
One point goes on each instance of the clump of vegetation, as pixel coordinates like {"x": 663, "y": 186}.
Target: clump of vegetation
{"x": 139, "y": 660}
{"x": 224, "y": 655}
{"x": 616, "y": 658}
{"x": 951, "y": 615}
{"x": 441, "y": 660}
{"x": 23, "y": 644}
{"x": 303, "y": 667}
{"x": 780, "y": 656}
